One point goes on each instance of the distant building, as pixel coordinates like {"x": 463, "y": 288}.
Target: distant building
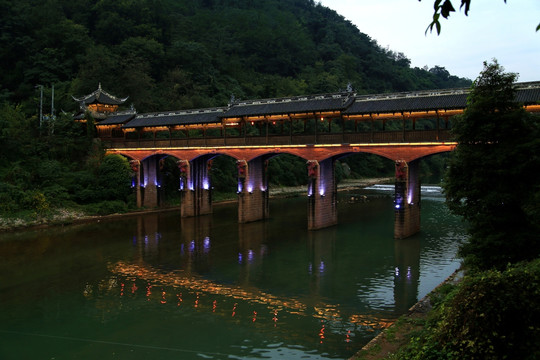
{"x": 99, "y": 103}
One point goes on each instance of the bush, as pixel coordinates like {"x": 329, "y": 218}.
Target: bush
{"x": 489, "y": 315}
{"x": 107, "y": 207}
{"x": 495, "y": 315}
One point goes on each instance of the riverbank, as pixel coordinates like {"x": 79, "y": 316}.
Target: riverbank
{"x": 397, "y": 335}
{"x": 62, "y": 217}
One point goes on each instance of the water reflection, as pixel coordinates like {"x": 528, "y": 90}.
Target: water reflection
{"x": 208, "y": 286}
{"x": 406, "y": 272}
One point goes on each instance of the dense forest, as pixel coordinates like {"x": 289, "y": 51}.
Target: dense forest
{"x": 177, "y": 54}
{"x": 169, "y": 55}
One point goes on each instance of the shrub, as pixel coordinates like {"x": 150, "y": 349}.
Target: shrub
{"x": 495, "y": 315}
{"x": 106, "y": 207}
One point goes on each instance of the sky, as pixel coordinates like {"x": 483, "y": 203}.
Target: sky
{"x": 493, "y": 29}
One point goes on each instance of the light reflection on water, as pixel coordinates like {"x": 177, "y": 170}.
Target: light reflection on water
{"x": 157, "y": 286}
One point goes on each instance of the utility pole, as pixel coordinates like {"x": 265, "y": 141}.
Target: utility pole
{"x": 40, "y": 105}
{"x": 52, "y": 102}
{"x": 52, "y": 110}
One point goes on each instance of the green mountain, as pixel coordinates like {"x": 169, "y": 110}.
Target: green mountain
{"x": 176, "y": 54}
{"x": 169, "y": 55}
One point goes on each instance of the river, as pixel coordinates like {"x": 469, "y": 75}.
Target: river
{"x": 157, "y": 286}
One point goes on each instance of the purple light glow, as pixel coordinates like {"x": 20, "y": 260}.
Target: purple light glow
{"x": 206, "y": 244}
{"x": 251, "y": 255}
{"x": 240, "y": 187}
{"x": 206, "y": 184}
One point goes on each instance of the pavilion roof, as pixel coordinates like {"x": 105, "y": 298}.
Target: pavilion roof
{"x": 186, "y": 117}
{"x": 100, "y": 96}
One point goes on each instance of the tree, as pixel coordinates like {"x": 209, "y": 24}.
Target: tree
{"x": 491, "y": 180}
{"x": 444, "y": 8}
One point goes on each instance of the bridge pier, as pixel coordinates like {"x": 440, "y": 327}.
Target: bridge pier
{"x": 195, "y": 192}
{"x": 322, "y": 194}
{"x": 252, "y": 190}
{"x": 407, "y": 199}
{"x": 136, "y": 182}
{"x": 150, "y": 183}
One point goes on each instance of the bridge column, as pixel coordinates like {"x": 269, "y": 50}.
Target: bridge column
{"x": 150, "y": 183}
{"x": 136, "y": 182}
{"x": 407, "y": 199}
{"x": 252, "y": 190}
{"x": 195, "y": 196}
{"x": 322, "y": 194}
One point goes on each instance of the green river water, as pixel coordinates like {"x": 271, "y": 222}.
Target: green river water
{"x": 157, "y": 286}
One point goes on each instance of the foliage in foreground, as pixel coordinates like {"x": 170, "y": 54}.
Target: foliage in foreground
{"x": 489, "y": 315}
{"x": 492, "y": 180}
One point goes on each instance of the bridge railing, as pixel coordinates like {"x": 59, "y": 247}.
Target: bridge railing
{"x": 380, "y": 137}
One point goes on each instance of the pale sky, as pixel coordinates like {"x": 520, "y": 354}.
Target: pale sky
{"x": 492, "y": 29}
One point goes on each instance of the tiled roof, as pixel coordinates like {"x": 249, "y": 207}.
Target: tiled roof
{"x": 301, "y": 104}
{"x": 117, "y": 119}
{"x": 527, "y": 93}
{"x": 202, "y": 116}
{"x": 100, "y": 96}
{"x": 410, "y": 102}
{"x": 347, "y": 103}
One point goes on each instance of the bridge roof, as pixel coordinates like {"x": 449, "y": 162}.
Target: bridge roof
{"x": 299, "y": 104}
{"x": 118, "y": 119}
{"x": 527, "y": 93}
{"x": 187, "y": 117}
{"x": 407, "y": 102}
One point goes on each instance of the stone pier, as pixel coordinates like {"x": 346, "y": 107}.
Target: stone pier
{"x": 407, "y": 199}
{"x": 150, "y": 182}
{"x": 322, "y": 194}
{"x": 195, "y": 191}
{"x": 252, "y": 190}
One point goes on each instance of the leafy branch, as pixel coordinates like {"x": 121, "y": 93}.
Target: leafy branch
{"x": 444, "y": 8}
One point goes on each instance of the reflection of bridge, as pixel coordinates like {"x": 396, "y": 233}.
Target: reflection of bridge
{"x": 403, "y": 127}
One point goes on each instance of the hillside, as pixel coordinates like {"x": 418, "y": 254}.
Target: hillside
{"x": 175, "y": 54}
{"x": 170, "y": 55}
